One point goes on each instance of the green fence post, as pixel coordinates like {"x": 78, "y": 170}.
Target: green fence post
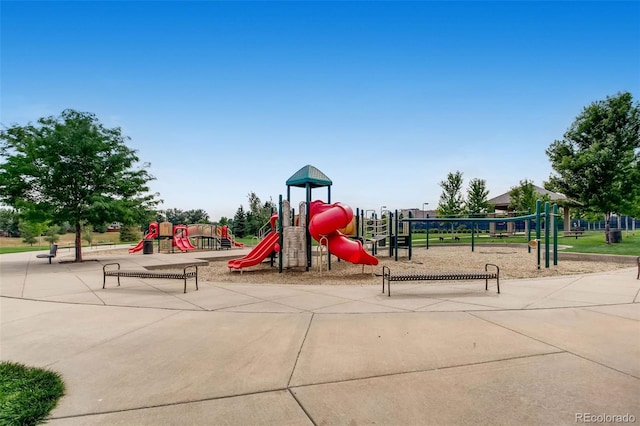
{"x": 428, "y": 232}
{"x": 473, "y": 233}
{"x": 546, "y": 234}
{"x": 528, "y": 230}
{"x": 555, "y": 235}
{"x": 538, "y": 218}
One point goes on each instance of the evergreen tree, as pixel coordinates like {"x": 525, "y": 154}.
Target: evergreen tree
{"x": 240, "y": 223}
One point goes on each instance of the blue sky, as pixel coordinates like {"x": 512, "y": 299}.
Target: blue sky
{"x": 386, "y": 98}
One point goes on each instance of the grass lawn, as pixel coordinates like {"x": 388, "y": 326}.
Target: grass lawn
{"x": 589, "y": 242}
{"x": 16, "y": 245}
{"x": 27, "y": 394}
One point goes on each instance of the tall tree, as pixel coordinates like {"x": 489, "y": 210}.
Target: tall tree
{"x": 524, "y": 197}
{"x": 188, "y": 217}
{"x": 258, "y": 213}
{"x": 9, "y": 222}
{"x": 175, "y": 216}
{"x": 451, "y": 200}
{"x": 598, "y": 160}
{"x": 240, "y": 223}
{"x": 197, "y": 216}
{"x": 477, "y": 201}
{"x": 74, "y": 169}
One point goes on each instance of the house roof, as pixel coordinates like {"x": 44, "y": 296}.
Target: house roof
{"x": 309, "y": 175}
{"x": 503, "y": 201}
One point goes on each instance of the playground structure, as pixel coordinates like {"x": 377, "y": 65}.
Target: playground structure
{"x": 290, "y": 233}
{"x": 327, "y": 223}
{"x": 334, "y": 226}
{"x": 212, "y": 237}
{"x": 347, "y": 236}
{"x": 546, "y": 217}
{"x": 151, "y": 234}
{"x": 168, "y": 236}
{"x": 268, "y": 245}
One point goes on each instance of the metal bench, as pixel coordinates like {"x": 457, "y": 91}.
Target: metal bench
{"x": 487, "y": 275}
{"x": 573, "y": 234}
{"x": 109, "y": 271}
{"x": 53, "y": 252}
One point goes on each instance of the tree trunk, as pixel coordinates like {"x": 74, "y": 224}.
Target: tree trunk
{"x": 78, "y": 242}
{"x": 607, "y": 227}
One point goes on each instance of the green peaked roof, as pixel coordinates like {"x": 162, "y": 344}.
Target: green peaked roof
{"x": 309, "y": 175}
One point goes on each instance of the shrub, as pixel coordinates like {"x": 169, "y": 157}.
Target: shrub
{"x": 100, "y": 228}
{"x": 52, "y": 235}
{"x": 87, "y": 235}
{"x": 128, "y": 234}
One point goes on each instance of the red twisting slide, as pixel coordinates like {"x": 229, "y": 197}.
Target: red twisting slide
{"x": 325, "y": 221}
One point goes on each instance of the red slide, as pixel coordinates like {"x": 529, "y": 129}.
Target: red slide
{"x": 224, "y": 233}
{"x": 258, "y": 254}
{"x": 183, "y": 243}
{"x": 181, "y": 238}
{"x": 153, "y": 233}
{"x": 325, "y": 221}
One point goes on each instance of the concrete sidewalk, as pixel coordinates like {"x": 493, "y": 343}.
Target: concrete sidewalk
{"x": 544, "y": 351}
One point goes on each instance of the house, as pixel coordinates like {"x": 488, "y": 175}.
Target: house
{"x": 502, "y": 202}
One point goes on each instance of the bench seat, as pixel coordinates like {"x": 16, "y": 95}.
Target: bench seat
{"x": 113, "y": 270}
{"x": 486, "y": 275}
{"x": 53, "y": 252}
{"x": 573, "y": 234}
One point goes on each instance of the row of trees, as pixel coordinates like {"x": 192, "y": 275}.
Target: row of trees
{"x": 475, "y": 202}
{"x": 248, "y": 223}
{"x": 596, "y": 164}
{"x": 454, "y": 203}
{"x": 184, "y": 217}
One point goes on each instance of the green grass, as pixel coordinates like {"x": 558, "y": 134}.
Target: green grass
{"x": 593, "y": 242}
{"x": 5, "y": 250}
{"x": 590, "y": 242}
{"x": 27, "y": 394}
{"x": 21, "y": 249}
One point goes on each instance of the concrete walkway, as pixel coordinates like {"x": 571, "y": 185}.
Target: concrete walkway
{"x": 544, "y": 351}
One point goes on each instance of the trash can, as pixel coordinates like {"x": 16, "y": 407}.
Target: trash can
{"x": 147, "y": 247}
{"x": 615, "y": 235}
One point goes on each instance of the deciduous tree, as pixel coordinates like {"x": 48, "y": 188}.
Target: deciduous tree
{"x": 72, "y": 168}
{"x": 524, "y": 197}
{"x": 451, "y": 199}
{"x": 477, "y": 201}
{"x": 597, "y": 162}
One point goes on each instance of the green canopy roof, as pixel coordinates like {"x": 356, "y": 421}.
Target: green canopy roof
{"x": 309, "y": 175}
